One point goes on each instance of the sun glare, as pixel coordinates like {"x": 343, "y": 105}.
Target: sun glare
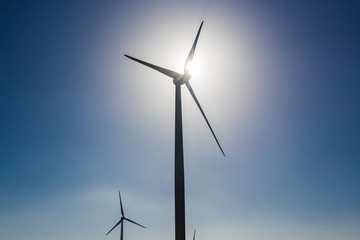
{"x": 194, "y": 67}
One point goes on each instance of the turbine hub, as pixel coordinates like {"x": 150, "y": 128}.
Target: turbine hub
{"x": 182, "y": 79}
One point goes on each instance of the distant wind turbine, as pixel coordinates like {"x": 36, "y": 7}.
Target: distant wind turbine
{"x": 178, "y": 80}
{"x": 122, "y": 219}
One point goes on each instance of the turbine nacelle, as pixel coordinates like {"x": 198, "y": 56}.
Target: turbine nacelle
{"x": 182, "y": 79}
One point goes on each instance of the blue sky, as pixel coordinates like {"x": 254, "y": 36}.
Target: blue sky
{"x": 279, "y": 82}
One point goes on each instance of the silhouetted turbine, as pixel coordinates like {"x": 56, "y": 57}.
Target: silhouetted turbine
{"x": 194, "y": 234}
{"x": 178, "y": 80}
{"x": 122, "y": 219}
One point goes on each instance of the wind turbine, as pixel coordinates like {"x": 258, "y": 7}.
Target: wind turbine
{"x": 178, "y": 80}
{"x": 122, "y": 219}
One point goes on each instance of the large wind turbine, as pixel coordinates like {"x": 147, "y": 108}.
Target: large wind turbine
{"x": 178, "y": 80}
{"x": 122, "y": 219}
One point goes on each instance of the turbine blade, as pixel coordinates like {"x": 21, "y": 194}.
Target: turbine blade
{"x": 134, "y": 222}
{"x": 194, "y": 234}
{"x": 202, "y": 112}
{"x": 114, "y": 226}
{"x": 165, "y": 71}
{"x": 192, "y": 51}
{"x": 121, "y": 207}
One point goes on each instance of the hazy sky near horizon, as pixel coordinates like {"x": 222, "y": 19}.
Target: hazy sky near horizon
{"x": 278, "y": 80}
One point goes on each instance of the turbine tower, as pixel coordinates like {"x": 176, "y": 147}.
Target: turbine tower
{"x": 122, "y": 219}
{"x": 178, "y": 80}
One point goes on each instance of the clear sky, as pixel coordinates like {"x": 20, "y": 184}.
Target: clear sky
{"x": 278, "y": 80}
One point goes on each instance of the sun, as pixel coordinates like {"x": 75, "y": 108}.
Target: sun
{"x": 194, "y": 67}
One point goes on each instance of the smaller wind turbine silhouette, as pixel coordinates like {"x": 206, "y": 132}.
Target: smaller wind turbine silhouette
{"x": 122, "y": 219}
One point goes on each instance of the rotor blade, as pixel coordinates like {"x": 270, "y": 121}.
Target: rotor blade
{"x": 194, "y": 234}
{"x": 192, "y": 51}
{"x": 202, "y": 112}
{"x": 165, "y": 71}
{"x": 121, "y": 207}
{"x": 114, "y": 226}
{"x": 134, "y": 222}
